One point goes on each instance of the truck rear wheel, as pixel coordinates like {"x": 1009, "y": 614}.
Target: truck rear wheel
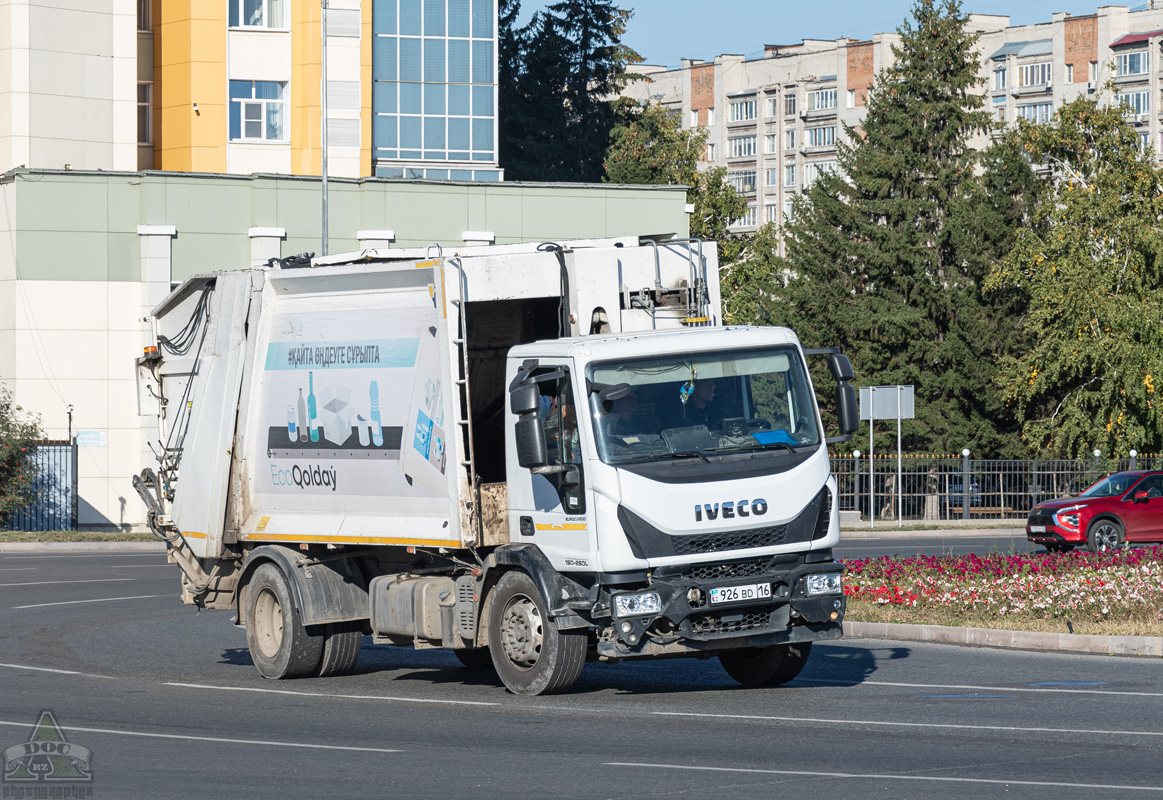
{"x": 530, "y": 654}
{"x": 280, "y": 646}
{"x": 771, "y": 666}
{"x": 341, "y": 644}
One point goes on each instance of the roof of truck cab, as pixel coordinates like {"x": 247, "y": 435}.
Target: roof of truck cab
{"x": 639, "y": 343}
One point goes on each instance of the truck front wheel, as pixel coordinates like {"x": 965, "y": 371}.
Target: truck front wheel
{"x": 280, "y": 646}
{"x": 530, "y": 654}
{"x": 771, "y": 666}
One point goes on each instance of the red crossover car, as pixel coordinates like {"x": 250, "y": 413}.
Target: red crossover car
{"x": 1126, "y": 507}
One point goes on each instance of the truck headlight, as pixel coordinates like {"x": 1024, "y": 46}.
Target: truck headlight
{"x": 824, "y": 584}
{"x": 636, "y": 605}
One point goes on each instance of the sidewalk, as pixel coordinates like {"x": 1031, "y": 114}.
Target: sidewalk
{"x": 1151, "y": 646}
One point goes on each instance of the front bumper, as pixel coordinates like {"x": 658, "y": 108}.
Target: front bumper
{"x": 1052, "y": 532}
{"x": 688, "y": 625}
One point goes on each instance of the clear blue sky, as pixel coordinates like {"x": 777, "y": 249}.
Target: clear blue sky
{"x": 665, "y": 31}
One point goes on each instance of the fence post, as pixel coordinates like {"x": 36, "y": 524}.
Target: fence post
{"x": 73, "y": 498}
{"x": 1134, "y": 459}
{"x": 857, "y": 498}
{"x": 965, "y": 483}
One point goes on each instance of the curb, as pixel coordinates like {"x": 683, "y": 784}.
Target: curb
{"x": 82, "y": 547}
{"x": 938, "y": 533}
{"x": 1151, "y": 646}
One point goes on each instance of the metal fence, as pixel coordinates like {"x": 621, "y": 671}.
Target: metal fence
{"x": 938, "y": 487}
{"x": 55, "y": 506}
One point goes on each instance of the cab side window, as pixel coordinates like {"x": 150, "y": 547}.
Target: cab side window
{"x": 559, "y": 418}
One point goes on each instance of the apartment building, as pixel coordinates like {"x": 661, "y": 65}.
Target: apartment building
{"x": 774, "y": 120}
{"x": 235, "y": 86}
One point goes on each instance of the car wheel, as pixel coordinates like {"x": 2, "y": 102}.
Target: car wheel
{"x": 280, "y": 646}
{"x": 531, "y": 655}
{"x": 771, "y": 666}
{"x": 1104, "y": 535}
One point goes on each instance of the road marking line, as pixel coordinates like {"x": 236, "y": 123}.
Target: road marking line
{"x": 58, "y": 671}
{"x": 883, "y": 776}
{"x": 215, "y": 739}
{"x": 17, "y": 569}
{"x": 98, "y": 600}
{"x": 333, "y": 696}
{"x": 984, "y": 688}
{"x": 144, "y": 566}
{"x": 905, "y": 724}
{"x": 55, "y": 583}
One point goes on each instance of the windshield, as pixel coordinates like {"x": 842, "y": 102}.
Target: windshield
{"x": 700, "y": 405}
{"x": 1113, "y": 486}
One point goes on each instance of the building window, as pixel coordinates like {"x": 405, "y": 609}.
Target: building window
{"x": 821, "y": 99}
{"x": 789, "y": 104}
{"x": 999, "y": 79}
{"x": 1037, "y": 113}
{"x": 789, "y": 139}
{"x": 256, "y": 14}
{"x": 771, "y": 107}
{"x": 771, "y": 143}
{"x": 694, "y": 118}
{"x": 143, "y": 15}
{"x": 999, "y": 115}
{"x": 814, "y": 169}
{"x": 772, "y": 177}
{"x": 747, "y": 220}
{"x": 1139, "y": 102}
{"x": 1144, "y": 142}
{"x": 822, "y": 137}
{"x": 710, "y": 116}
{"x": 852, "y": 98}
{"x": 1092, "y": 71}
{"x": 709, "y": 155}
{"x": 743, "y": 182}
{"x": 741, "y": 110}
{"x": 771, "y": 214}
{"x": 789, "y": 174}
{"x": 144, "y": 114}
{"x": 1070, "y": 73}
{"x": 1138, "y": 63}
{"x": 1034, "y": 74}
{"x": 789, "y": 210}
{"x": 258, "y": 111}
{"x": 740, "y": 146}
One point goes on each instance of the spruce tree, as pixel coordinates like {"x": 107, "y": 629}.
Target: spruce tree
{"x": 887, "y": 254}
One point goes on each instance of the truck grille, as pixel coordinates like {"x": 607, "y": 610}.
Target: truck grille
{"x": 738, "y": 540}
{"x": 732, "y": 569}
{"x": 735, "y": 621}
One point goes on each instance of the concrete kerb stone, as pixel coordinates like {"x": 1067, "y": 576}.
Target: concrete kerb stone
{"x": 1151, "y": 646}
{"x": 81, "y": 547}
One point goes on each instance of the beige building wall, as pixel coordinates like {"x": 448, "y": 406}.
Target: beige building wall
{"x": 68, "y": 84}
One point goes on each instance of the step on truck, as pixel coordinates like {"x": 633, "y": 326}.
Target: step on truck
{"x": 532, "y": 455}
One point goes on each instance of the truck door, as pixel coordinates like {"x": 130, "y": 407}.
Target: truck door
{"x": 549, "y": 505}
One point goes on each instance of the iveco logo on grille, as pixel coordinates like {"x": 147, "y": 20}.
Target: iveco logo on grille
{"x": 730, "y": 510}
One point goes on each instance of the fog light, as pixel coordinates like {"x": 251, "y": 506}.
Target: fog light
{"x": 626, "y": 627}
{"x": 824, "y": 584}
{"x": 635, "y": 605}
{"x": 694, "y": 595}
{"x": 834, "y": 616}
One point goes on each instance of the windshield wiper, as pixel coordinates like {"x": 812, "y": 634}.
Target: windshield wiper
{"x": 756, "y": 446}
{"x": 656, "y": 456}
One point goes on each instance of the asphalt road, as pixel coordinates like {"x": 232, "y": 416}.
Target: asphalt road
{"x": 170, "y": 706}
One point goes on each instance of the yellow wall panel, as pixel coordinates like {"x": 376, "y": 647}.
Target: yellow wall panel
{"x": 365, "y": 91}
{"x": 306, "y": 74}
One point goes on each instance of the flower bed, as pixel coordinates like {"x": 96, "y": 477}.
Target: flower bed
{"x": 1118, "y": 592}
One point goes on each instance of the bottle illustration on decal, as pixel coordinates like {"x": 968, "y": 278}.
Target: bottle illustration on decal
{"x": 302, "y": 417}
{"x": 292, "y": 434}
{"x": 312, "y": 417}
{"x": 377, "y": 428}
{"x": 362, "y": 430}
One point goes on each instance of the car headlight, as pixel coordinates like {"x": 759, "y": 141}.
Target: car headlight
{"x": 824, "y": 584}
{"x": 637, "y": 605}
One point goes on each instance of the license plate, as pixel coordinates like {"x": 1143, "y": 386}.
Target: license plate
{"x": 732, "y": 594}
{"x": 1037, "y": 529}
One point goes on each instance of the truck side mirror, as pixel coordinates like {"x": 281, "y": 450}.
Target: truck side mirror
{"x": 531, "y": 449}
{"x": 525, "y": 399}
{"x": 841, "y": 368}
{"x": 847, "y": 410}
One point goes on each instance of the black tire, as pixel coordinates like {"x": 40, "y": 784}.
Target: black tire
{"x": 341, "y": 644}
{"x": 476, "y": 659}
{"x": 766, "y": 666}
{"x": 1104, "y": 535}
{"x": 279, "y": 644}
{"x": 530, "y": 654}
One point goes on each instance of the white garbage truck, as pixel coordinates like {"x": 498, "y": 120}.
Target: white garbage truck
{"x": 532, "y": 455}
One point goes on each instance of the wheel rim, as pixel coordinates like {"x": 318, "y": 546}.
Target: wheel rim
{"x": 522, "y": 632}
{"x": 268, "y": 623}
{"x": 1106, "y": 537}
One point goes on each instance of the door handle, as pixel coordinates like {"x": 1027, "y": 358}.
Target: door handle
{"x": 526, "y": 526}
